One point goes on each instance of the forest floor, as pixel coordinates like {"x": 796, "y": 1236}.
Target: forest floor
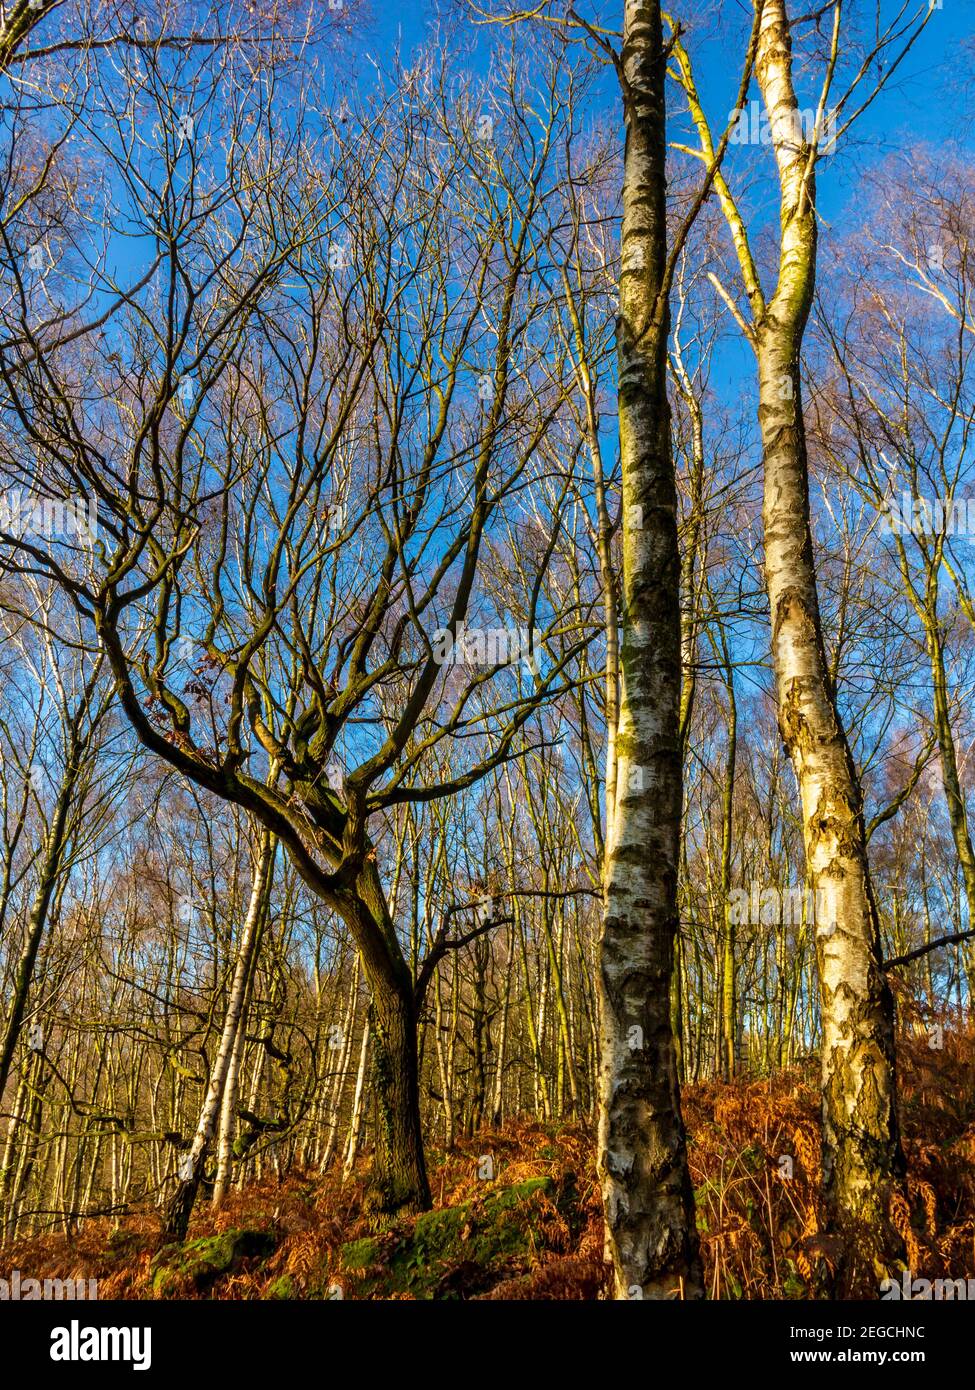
{"x": 533, "y": 1231}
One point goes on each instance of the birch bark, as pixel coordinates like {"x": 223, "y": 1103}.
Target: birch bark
{"x": 648, "y": 1201}
{"x": 861, "y": 1146}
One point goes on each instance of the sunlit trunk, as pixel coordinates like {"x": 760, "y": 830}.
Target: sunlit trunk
{"x": 649, "y": 1209}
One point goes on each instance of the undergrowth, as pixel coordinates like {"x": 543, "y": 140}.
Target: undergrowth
{"x": 534, "y": 1231}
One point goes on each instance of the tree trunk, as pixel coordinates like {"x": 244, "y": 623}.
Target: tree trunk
{"x": 649, "y": 1207}
{"x": 399, "y": 1180}
{"x": 338, "y": 1088}
{"x": 355, "y": 1116}
{"x": 225, "y": 1127}
{"x": 54, "y": 849}
{"x": 181, "y": 1204}
{"x": 729, "y": 1000}
{"x": 861, "y": 1146}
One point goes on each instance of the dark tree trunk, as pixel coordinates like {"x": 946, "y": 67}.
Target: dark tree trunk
{"x": 651, "y": 1235}
{"x": 399, "y": 1177}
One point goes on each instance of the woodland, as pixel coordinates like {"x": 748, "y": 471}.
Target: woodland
{"x": 487, "y": 648}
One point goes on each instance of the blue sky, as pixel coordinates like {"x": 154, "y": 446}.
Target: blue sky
{"x": 904, "y": 111}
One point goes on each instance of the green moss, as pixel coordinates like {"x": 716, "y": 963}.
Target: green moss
{"x": 283, "y": 1288}
{"x": 359, "y": 1254}
{"x": 122, "y": 1244}
{"x": 199, "y": 1263}
{"x": 460, "y": 1250}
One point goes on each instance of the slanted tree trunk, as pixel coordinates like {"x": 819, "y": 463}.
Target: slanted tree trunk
{"x": 226, "y": 1123}
{"x": 50, "y": 867}
{"x": 180, "y": 1207}
{"x": 79, "y": 737}
{"x": 19, "y": 18}
{"x": 497, "y": 1097}
{"x": 649, "y": 1207}
{"x": 338, "y": 1087}
{"x": 861, "y": 1146}
{"x": 355, "y": 1117}
{"x": 927, "y": 610}
{"x": 729, "y": 998}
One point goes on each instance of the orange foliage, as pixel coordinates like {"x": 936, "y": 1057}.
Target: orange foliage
{"x": 754, "y": 1160}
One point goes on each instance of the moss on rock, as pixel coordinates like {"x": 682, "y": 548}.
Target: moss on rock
{"x": 360, "y": 1254}
{"x": 195, "y": 1266}
{"x": 282, "y": 1288}
{"x": 458, "y": 1251}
